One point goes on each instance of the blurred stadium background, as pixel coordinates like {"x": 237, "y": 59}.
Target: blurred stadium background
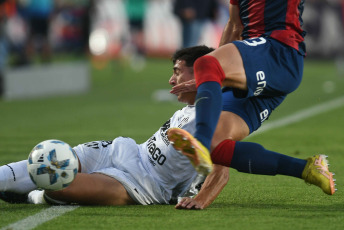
{"x": 323, "y": 20}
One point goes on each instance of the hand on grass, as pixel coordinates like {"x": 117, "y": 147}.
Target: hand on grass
{"x": 188, "y": 203}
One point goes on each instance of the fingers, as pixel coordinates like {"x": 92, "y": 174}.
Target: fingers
{"x": 188, "y": 86}
{"x": 188, "y": 203}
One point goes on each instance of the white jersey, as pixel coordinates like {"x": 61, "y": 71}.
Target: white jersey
{"x": 152, "y": 172}
{"x": 170, "y": 168}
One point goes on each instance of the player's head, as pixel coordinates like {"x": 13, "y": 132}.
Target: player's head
{"x": 183, "y": 61}
{"x": 190, "y": 54}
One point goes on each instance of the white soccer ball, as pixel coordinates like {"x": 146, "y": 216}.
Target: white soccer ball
{"x": 52, "y": 165}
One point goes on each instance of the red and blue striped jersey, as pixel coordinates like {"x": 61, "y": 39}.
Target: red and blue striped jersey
{"x": 279, "y": 19}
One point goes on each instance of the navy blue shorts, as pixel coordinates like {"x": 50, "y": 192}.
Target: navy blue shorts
{"x": 273, "y": 70}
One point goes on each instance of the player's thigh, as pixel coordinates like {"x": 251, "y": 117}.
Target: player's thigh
{"x": 94, "y": 155}
{"x": 231, "y": 62}
{"x": 94, "y": 189}
{"x": 271, "y": 68}
{"x": 230, "y": 126}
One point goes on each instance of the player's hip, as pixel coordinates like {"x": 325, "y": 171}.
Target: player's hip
{"x": 272, "y": 68}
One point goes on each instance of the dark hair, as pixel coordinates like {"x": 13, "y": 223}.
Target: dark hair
{"x": 190, "y": 54}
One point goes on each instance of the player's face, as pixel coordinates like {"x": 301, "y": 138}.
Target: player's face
{"x": 183, "y": 73}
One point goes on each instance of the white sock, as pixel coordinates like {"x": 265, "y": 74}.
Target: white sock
{"x": 36, "y": 197}
{"x": 14, "y": 177}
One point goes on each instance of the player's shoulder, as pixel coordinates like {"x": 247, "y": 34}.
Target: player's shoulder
{"x": 185, "y": 110}
{"x": 189, "y": 109}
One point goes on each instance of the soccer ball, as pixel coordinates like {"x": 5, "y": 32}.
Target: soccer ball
{"x": 52, "y": 165}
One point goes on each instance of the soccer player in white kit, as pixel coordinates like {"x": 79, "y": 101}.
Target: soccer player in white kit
{"x": 122, "y": 172}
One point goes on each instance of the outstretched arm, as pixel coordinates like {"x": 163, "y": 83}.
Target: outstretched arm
{"x": 211, "y": 188}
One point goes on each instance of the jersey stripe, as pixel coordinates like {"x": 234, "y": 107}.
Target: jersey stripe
{"x": 279, "y": 19}
{"x": 291, "y": 36}
{"x": 256, "y": 19}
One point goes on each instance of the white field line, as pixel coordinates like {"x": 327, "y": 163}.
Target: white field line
{"x": 302, "y": 115}
{"x": 56, "y": 211}
{"x": 39, "y": 218}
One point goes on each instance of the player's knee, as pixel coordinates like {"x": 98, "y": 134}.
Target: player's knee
{"x": 207, "y": 68}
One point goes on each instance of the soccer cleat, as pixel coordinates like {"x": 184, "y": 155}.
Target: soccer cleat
{"x": 189, "y": 146}
{"x": 316, "y": 172}
{"x": 14, "y": 198}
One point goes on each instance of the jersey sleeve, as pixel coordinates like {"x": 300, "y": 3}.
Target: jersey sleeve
{"x": 234, "y": 2}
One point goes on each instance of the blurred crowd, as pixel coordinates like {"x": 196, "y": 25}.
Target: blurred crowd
{"x": 33, "y": 30}
{"x": 30, "y": 27}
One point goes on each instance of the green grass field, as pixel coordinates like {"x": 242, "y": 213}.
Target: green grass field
{"x": 120, "y": 104}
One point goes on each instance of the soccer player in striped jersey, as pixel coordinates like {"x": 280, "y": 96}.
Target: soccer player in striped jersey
{"x": 259, "y": 61}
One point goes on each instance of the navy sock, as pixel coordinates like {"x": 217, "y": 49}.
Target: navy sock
{"x": 253, "y": 158}
{"x": 208, "y": 109}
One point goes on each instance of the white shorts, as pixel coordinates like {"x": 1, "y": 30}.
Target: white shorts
{"x": 120, "y": 160}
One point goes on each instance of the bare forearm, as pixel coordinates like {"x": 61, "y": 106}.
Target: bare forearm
{"x": 233, "y": 29}
{"x": 212, "y": 186}
{"x": 230, "y": 33}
